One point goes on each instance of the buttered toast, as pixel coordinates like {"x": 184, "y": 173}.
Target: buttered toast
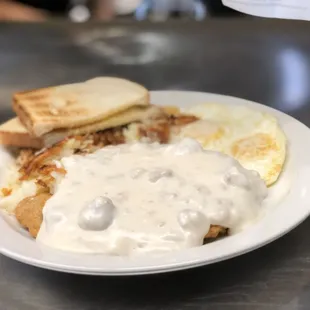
{"x": 14, "y": 133}
{"x": 73, "y": 105}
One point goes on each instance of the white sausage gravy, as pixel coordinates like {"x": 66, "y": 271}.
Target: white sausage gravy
{"x": 138, "y": 198}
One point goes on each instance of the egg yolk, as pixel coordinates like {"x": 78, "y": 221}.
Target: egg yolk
{"x": 256, "y": 146}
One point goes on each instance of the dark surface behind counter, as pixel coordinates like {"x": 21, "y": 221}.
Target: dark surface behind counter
{"x": 261, "y": 60}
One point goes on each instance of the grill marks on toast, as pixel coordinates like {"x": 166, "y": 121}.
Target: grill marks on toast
{"x": 80, "y": 104}
{"x": 37, "y": 104}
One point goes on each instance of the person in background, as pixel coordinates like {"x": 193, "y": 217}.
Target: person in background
{"x": 103, "y": 10}
{"x": 40, "y": 10}
{"x": 15, "y": 11}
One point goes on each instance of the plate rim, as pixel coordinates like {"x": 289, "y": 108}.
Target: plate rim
{"x": 171, "y": 264}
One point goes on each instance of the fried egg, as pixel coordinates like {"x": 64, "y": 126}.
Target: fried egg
{"x": 252, "y": 137}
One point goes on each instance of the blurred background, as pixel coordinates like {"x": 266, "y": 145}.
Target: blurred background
{"x": 106, "y": 10}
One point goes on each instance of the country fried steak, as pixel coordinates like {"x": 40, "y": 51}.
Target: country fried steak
{"x": 41, "y": 166}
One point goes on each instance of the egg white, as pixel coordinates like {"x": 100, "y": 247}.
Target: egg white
{"x": 252, "y": 137}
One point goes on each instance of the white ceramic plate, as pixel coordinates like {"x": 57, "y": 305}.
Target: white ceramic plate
{"x": 293, "y": 209}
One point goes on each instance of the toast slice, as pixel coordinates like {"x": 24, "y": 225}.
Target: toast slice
{"x": 131, "y": 115}
{"x": 74, "y": 105}
{"x": 13, "y": 133}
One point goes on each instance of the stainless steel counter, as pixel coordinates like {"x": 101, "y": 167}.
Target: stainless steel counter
{"x": 263, "y": 60}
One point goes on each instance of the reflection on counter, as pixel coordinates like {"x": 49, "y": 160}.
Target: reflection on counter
{"x": 84, "y": 10}
{"x": 294, "y": 79}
